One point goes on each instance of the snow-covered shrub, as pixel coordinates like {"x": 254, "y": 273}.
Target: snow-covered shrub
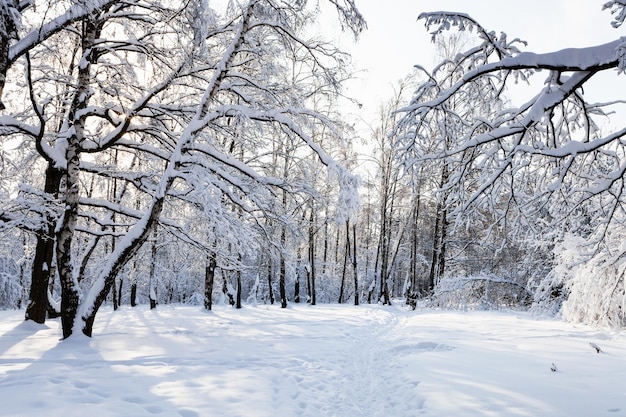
{"x": 480, "y": 291}
{"x": 593, "y": 274}
{"x": 11, "y": 290}
{"x": 549, "y": 294}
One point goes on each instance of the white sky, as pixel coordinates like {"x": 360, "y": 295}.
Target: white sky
{"x": 395, "y": 40}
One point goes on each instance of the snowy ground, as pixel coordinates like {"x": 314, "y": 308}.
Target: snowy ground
{"x": 323, "y": 361}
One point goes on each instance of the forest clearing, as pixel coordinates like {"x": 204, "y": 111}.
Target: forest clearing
{"x": 321, "y": 361}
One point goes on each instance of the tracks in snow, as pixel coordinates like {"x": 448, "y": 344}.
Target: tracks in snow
{"x": 353, "y": 374}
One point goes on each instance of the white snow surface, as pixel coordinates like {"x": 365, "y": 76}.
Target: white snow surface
{"x": 327, "y": 360}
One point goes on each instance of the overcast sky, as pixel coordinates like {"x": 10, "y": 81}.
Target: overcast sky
{"x": 395, "y": 40}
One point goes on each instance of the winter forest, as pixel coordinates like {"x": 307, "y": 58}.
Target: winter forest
{"x": 197, "y": 152}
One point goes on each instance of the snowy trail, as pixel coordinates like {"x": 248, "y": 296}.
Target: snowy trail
{"x": 260, "y": 361}
{"x": 322, "y": 361}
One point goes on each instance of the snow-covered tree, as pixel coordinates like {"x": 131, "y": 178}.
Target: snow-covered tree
{"x": 545, "y": 162}
{"x": 191, "y": 115}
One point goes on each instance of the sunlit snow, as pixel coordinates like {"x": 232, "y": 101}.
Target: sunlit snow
{"x": 328, "y": 360}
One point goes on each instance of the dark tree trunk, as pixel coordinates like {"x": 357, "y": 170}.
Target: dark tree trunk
{"x": 269, "y": 282}
{"x": 441, "y": 255}
{"x": 325, "y": 251}
{"x": 114, "y": 294}
{"x": 296, "y": 290}
{"x": 346, "y": 254}
{"x": 414, "y": 287}
{"x": 296, "y": 285}
{"x": 433, "y": 264}
{"x": 437, "y": 264}
{"x": 209, "y": 280}
{"x": 312, "y": 256}
{"x": 10, "y": 28}
{"x": 133, "y": 294}
{"x": 238, "y": 299}
{"x": 113, "y": 197}
{"x": 119, "y": 292}
{"x": 354, "y": 266}
{"x": 281, "y": 279}
{"x": 152, "y": 295}
{"x": 44, "y": 253}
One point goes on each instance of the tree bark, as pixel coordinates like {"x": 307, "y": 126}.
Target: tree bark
{"x": 345, "y": 261}
{"x": 226, "y": 291}
{"x": 312, "y": 256}
{"x": 209, "y": 280}
{"x": 65, "y": 235}
{"x": 133, "y": 294}
{"x": 126, "y": 249}
{"x": 238, "y": 297}
{"x": 354, "y": 266}
{"x": 296, "y": 286}
{"x": 281, "y": 279}
{"x": 10, "y": 29}
{"x": 269, "y": 281}
{"x": 437, "y": 264}
{"x": 153, "y": 260}
{"x": 44, "y": 252}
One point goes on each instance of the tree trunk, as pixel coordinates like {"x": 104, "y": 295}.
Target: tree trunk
{"x": 133, "y": 294}
{"x": 10, "y": 27}
{"x": 209, "y": 279}
{"x": 65, "y": 235}
{"x": 345, "y": 261}
{"x": 226, "y": 291}
{"x": 413, "y": 289}
{"x": 312, "y": 256}
{"x": 69, "y": 286}
{"x": 238, "y": 299}
{"x": 281, "y": 279}
{"x": 439, "y": 236}
{"x": 269, "y": 281}
{"x": 114, "y": 295}
{"x": 113, "y": 197}
{"x": 296, "y": 287}
{"x": 354, "y": 266}
{"x": 325, "y": 251}
{"x": 44, "y": 252}
{"x": 153, "y": 279}
{"x": 119, "y": 292}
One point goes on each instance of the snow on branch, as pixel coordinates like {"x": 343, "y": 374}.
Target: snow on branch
{"x": 350, "y": 17}
{"x": 595, "y": 58}
{"x": 444, "y": 21}
{"x": 618, "y": 10}
{"x": 77, "y": 11}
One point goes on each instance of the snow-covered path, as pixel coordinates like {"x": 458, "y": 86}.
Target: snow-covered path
{"x": 322, "y": 361}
